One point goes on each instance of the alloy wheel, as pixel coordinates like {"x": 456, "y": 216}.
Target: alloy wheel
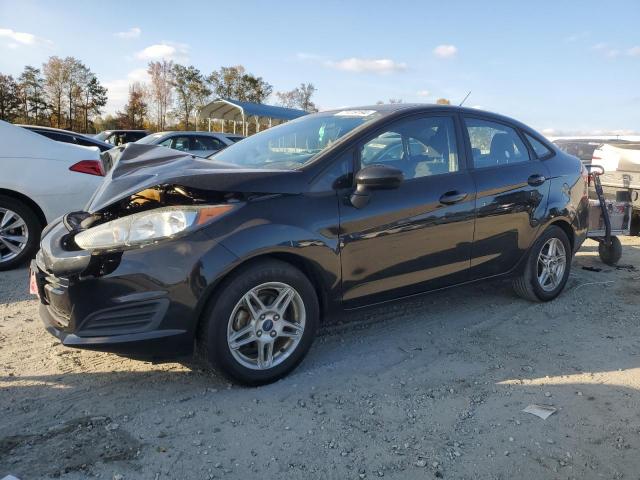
{"x": 266, "y": 325}
{"x": 552, "y": 262}
{"x": 14, "y": 235}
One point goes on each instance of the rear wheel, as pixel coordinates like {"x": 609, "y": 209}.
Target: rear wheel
{"x": 547, "y": 268}
{"x": 20, "y": 231}
{"x": 610, "y": 254}
{"x": 260, "y": 323}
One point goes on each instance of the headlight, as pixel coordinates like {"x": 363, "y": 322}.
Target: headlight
{"x": 148, "y": 227}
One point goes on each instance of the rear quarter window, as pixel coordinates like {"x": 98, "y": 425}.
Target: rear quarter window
{"x": 540, "y": 149}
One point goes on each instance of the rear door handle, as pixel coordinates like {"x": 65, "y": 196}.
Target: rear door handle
{"x": 536, "y": 180}
{"x": 452, "y": 197}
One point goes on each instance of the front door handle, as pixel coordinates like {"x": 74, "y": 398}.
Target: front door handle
{"x": 536, "y": 180}
{"x": 452, "y": 197}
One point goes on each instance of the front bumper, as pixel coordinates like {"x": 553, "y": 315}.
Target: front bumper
{"x": 142, "y": 303}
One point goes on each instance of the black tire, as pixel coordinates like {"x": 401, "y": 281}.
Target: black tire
{"x": 34, "y": 227}
{"x": 527, "y": 285}
{"x": 211, "y": 342}
{"x": 610, "y": 254}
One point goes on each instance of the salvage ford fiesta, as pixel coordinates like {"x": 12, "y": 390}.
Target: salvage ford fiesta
{"x": 240, "y": 256}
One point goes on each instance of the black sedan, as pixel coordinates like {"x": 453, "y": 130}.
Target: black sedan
{"x": 241, "y": 256}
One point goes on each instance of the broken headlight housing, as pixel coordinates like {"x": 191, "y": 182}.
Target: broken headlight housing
{"x": 148, "y": 227}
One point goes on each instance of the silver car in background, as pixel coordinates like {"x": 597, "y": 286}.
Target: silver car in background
{"x": 201, "y": 144}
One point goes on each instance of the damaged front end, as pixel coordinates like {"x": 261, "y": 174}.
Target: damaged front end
{"x": 128, "y": 270}
{"x": 151, "y": 194}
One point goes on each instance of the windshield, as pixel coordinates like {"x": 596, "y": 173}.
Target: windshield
{"x": 296, "y": 143}
{"x": 150, "y": 138}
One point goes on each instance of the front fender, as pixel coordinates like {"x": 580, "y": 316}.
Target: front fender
{"x": 300, "y": 226}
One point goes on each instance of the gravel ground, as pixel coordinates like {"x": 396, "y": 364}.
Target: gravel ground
{"x": 428, "y": 388}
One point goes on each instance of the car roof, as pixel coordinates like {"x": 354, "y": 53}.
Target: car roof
{"x": 407, "y": 108}
{"x": 122, "y": 130}
{"x": 187, "y": 132}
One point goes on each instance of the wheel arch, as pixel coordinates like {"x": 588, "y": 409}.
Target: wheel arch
{"x": 566, "y": 227}
{"x": 305, "y": 265}
{"x": 27, "y": 201}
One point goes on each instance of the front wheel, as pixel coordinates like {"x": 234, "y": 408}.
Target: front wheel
{"x": 260, "y": 324}
{"x": 548, "y": 266}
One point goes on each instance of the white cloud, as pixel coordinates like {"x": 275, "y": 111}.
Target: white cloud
{"x": 370, "y": 65}
{"x": 22, "y": 38}
{"x": 308, "y": 56}
{"x": 606, "y": 50}
{"x": 423, "y": 93}
{"x": 169, "y": 51}
{"x": 634, "y": 51}
{"x": 118, "y": 90}
{"x": 133, "y": 32}
{"x": 577, "y": 36}
{"x": 445, "y": 51}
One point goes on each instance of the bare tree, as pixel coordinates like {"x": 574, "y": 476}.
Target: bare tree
{"x": 161, "y": 91}
{"x": 288, "y": 99}
{"x": 299, "y": 97}
{"x": 75, "y": 70}
{"x": 390, "y": 102}
{"x": 305, "y": 92}
{"x": 136, "y": 108}
{"x": 56, "y": 78}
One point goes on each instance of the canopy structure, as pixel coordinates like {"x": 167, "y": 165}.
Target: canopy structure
{"x": 236, "y": 116}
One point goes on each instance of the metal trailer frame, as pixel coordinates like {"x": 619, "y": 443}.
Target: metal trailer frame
{"x": 610, "y": 248}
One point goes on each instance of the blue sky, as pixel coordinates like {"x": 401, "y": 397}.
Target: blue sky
{"x": 558, "y": 66}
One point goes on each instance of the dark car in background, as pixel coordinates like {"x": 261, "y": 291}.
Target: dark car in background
{"x": 202, "y": 144}
{"x": 242, "y": 255}
{"x": 120, "y": 137}
{"x": 233, "y": 137}
{"x": 67, "y": 136}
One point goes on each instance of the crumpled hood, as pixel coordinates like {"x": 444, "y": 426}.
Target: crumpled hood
{"x": 135, "y": 167}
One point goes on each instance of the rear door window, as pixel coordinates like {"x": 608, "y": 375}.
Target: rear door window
{"x": 494, "y": 144}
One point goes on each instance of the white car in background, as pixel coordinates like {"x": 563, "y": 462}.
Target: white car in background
{"x": 41, "y": 180}
{"x": 618, "y": 157}
{"x": 201, "y": 144}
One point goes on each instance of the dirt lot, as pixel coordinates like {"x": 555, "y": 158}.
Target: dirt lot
{"x": 428, "y": 388}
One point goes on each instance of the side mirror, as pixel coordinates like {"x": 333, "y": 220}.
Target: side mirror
{"x": 374, "y": 177}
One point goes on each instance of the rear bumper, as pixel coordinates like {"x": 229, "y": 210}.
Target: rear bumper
{"x": 141, "y": 303}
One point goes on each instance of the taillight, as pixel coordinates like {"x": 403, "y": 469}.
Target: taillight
{"x": 91, "y": 167}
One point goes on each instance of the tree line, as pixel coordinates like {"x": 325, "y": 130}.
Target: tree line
{"x": 65, "y": 93}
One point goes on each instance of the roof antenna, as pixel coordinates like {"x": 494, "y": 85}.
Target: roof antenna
{"x": 465, "y": 98}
